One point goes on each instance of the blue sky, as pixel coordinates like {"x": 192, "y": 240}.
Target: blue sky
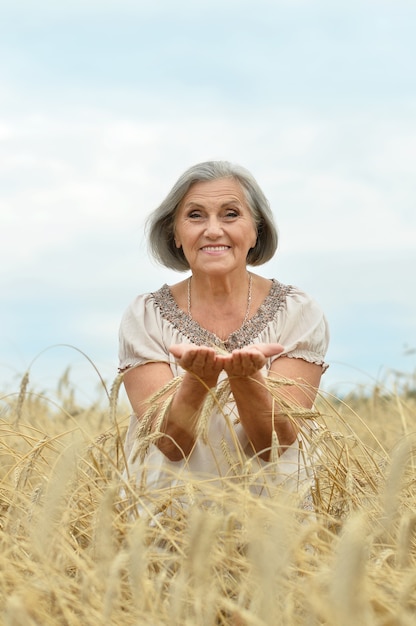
{"x": 104, "y": 104}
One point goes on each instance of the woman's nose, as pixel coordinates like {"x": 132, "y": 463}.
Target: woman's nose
{"x": 214, "y": 227}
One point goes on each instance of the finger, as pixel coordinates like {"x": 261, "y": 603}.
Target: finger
{"x": 184, "y": 349}
{"x": 245, "y": 362}
{"x": 178, "y": 350}
{"x": 249, "y": 354}
{"x": 203, "y": 357}
{"x": 268, "y": 349}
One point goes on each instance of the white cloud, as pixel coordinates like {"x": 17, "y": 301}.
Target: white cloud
{"x": 68, "y": 176}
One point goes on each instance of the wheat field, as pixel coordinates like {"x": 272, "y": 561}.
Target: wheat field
{"x": 76, "y": 551}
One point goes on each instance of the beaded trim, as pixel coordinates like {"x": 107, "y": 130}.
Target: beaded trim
{"x": 244, "y": 336}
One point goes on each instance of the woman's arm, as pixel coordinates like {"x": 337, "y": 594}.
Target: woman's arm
{"x": 258, "y": 413}
{"x": 202, "y": 370}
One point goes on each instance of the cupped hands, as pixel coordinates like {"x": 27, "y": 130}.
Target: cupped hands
{"x": 206, "y": 363}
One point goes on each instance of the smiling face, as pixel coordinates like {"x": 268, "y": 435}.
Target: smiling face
{"x": 214, "y": 226}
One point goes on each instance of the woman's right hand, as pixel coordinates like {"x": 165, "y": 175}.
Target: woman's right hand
{"x": 201, "y": 361}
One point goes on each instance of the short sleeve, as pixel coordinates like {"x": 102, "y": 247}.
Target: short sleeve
{"x": 141, "y": 334}
{"x": 304, "y": 331}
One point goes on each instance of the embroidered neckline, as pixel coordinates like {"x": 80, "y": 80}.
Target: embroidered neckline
{"x": 244, "y": 336}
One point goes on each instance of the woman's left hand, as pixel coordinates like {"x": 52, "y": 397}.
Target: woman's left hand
{"x": 249, "y": 360}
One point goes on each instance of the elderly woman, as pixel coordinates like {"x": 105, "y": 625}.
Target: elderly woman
{"x": 204, "y": 359}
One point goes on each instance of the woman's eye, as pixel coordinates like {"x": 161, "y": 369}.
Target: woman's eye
{"x": 194, "y": 215}
{"x": 231, "y": 213}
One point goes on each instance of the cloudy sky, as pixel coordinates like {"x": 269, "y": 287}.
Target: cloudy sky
{"x": 103, "y": 104}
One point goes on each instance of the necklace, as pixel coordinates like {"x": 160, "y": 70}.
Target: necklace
{"x": 246, "y": 316}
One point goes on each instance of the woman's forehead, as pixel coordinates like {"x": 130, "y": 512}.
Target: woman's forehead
{"x": 219, "y": 189}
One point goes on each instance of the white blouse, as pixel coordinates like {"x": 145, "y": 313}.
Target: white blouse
{"x": 153, "y": 322}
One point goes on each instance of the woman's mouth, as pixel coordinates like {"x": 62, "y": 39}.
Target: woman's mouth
{"x": 215, "y": 248}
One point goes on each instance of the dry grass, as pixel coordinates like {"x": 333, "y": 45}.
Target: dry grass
{"x": 75, "y": 551}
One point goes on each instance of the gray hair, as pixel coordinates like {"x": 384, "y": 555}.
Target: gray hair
{"x": 161, "y": 222}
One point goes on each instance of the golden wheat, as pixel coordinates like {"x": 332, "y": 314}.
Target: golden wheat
{"x": 75, "y": 550}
